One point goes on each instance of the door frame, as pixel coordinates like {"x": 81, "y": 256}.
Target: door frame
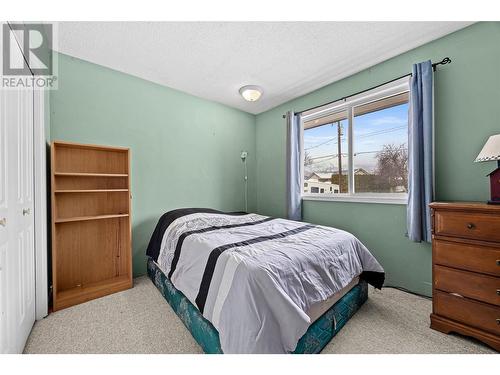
{"x": 40, "y": 203}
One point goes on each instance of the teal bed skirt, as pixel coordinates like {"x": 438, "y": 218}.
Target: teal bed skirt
{"x": 314, "y": 340}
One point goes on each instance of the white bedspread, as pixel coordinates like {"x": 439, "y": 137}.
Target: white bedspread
{"x": 265, "y": 276}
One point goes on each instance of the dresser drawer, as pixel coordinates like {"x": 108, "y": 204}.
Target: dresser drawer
{"x": 472, "y": 225}
{"x": 476, "y": 258}
{"x": 463, "y": 310}
{"x": 468, "y": 284}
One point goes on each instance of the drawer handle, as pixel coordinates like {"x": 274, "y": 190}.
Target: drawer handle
{"x": 498, "y": 262}
{"x": 471, "y": 225}
{"x": 498, "y": 292}
{"x": 498, "y": 322}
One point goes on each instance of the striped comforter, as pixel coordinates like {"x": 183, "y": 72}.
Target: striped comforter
{"x": 254, "y": 277}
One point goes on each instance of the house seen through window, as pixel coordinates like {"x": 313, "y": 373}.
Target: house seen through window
{"x": 374, "y": 161}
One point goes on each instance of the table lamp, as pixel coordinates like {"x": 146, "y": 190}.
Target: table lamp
{"x": 491, "y": 152}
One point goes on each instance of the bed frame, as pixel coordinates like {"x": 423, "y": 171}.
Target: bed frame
{"x": 314, "y": 340}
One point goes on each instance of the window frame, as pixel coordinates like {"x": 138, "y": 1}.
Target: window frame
{"x": 391, "y": 89}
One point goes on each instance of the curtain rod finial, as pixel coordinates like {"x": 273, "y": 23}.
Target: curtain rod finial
{"x": 444, "y": 61}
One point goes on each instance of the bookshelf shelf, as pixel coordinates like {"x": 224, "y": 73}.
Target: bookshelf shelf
{"x": 85, "y": 174}
{"x": 91, "y": 191}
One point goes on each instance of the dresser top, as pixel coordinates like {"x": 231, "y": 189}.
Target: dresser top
{"x": 469, "y": 206}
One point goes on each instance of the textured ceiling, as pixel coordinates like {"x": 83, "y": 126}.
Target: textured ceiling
{"x": 213, "y": 60}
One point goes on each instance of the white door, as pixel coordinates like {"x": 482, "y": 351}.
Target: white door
{"x": 22, "y": 253}
{"x": 17, "y": 258}
{"x": 4, "y": 233}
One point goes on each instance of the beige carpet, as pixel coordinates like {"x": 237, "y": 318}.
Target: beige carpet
{"x": 139, "y": 320}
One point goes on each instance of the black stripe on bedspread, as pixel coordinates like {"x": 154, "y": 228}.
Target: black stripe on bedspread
{"x": 183, "y": 236}
{"x": 168, "y": 218}
{"x": 201, "y": 298}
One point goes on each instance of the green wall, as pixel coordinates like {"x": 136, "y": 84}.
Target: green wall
{"x": 467, "y": 111}
{"x": 185, "y": 150}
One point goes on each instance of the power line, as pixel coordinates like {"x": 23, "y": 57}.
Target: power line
{"x": 329, "y": 155}
{"x": 382, "y": 131}
{"x": 332, "y": 156}
{"x": 363, "y": 136}
{"x": 324, "y": 143}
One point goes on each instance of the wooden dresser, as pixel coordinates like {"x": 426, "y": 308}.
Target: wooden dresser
{"x": 466, "y": 270}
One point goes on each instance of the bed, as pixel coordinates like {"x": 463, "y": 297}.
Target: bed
{"x": 247, "y": 283}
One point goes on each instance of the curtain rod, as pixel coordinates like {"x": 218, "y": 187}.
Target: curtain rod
{"x": 444, "y": 61}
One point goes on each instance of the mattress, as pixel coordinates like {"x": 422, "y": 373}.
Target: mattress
{"x": 342, "y": 307}
{"x": 318, "y": 309}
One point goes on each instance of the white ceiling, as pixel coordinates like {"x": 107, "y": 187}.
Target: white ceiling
{"x": 213, "y": 60}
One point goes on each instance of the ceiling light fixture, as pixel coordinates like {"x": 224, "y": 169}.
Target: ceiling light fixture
{"x": 251, "y": 93}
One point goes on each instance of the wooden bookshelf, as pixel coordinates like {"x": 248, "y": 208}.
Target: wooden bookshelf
{"x": 91, "y": 222}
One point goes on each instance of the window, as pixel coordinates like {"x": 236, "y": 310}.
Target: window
{"x": 357, "y": 149}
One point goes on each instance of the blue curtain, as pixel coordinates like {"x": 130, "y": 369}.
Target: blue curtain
{"x": 420, "y": 150}
{"x": 293, "y": 179}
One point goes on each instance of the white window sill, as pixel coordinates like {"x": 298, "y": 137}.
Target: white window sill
{"x": 359, "y": 198}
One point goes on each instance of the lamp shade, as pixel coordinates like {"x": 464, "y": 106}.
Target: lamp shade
{"x": 491, "y": 149}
